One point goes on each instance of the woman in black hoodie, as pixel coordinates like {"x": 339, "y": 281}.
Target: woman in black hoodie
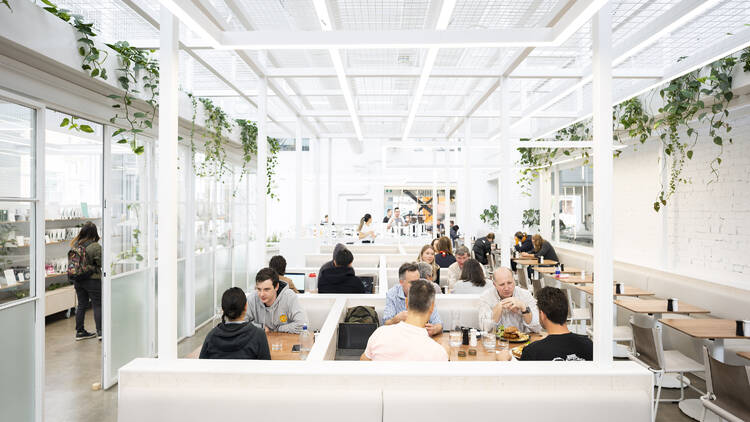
{"x": 234, "y": 338}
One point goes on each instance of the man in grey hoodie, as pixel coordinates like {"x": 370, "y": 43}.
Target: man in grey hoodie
{"x": 273, "y": 306}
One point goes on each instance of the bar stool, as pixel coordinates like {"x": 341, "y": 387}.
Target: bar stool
{"x": 728, "y": 386}
{"x": 650, "y": 353}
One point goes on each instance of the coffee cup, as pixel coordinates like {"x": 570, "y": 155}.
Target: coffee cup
{"x": 672, "y": 305}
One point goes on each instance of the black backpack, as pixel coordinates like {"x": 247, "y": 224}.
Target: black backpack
{"x": 362, "y": 315}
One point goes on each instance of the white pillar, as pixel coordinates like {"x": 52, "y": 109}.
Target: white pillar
{"x": 330, "y": 180}
{"x": 318, "y": 180}
{"x": 434, "y": 196}
{"x": 447, "y": 211}
{"x": 506, "y": 205}
{"x": 603, "y": 185}
{"x": 300, "y": 189}
{"x": 167, "y": 184}
{"x": 467, "y": 219}
{"x": 261, "y": 194}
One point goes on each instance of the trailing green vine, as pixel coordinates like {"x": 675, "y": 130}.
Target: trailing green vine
{"x": 490, "y": 216}
{"x": 137, "y": 67}
{"x": 5, "y": 2}
{"x": 249, "y": 140}
{"x": 92, "y": 58}
{"x": 216, "y": 125}
{"x": 71, "y": 124}
{"x": 530, "y": 218}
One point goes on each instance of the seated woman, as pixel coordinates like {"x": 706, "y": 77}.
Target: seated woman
{"x": 472, "y": 280}
{"x": 542, "y": 248}
{"x": 278, "y": 264}
{"x": 427, "y": 255}
{"x": 444, "y": 256}
{"x": 234, "y": 338}
{"x": 365, "y": 231}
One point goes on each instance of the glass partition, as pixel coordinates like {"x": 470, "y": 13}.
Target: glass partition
{"x": 204, "y": 288}
{"x": 576, "y": 204}
{"x": 17, "y": 390}
{"x": 128, "y": 200}
{"x": 133, "y": 311}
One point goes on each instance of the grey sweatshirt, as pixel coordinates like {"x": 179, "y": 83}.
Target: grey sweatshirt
{"x": 285, "y": 315}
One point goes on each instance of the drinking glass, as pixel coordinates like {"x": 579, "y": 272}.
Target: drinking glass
{"x": 502, "y": 344}
{"x": 456, "y": 338}
{"x": 488, "y": 340}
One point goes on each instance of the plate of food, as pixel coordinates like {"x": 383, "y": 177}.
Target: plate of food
{"x": 517, "y": 351}
{"x": 512, "y": 335}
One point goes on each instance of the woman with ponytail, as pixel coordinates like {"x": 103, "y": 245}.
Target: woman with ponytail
{"x": 365, "y": 232}
{"x": 234, "y": 337}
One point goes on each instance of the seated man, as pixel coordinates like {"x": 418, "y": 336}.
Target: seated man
{"x": 340, "y": 278}
{"x": 483, "y": 248}
{"x": 273, "y": 306}
{"x": 235, "y": 338}
{"x": 425, "y": 273}
{"x": 395, "y": 300}
{"x": 454, "y": 270}
{"x": 508, "y": 304}
{"x": 560, "y": 344}
{"x": 329, "y": 264}
{"x": 408, "y": 340}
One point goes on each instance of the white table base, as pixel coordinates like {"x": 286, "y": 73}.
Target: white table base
{"x": 694, "y": 409}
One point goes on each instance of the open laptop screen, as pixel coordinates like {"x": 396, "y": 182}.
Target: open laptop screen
{"x": 298, "y": 279}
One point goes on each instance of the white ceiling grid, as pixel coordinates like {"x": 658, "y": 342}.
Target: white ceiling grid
{"x": 394, "y": 94}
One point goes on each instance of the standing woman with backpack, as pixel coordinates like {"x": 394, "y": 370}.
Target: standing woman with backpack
{"x": 85, "y": 272}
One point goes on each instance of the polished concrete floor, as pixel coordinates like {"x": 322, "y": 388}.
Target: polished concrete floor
{"x": 73, "y": 366}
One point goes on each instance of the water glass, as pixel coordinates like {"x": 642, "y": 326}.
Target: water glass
{"x": 276, "y": 345}
{"x": 488, "y": 340}
{"x": 502, "y": 344}
{"x": 456, "y": 338}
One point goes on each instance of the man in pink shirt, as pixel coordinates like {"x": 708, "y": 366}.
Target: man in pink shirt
{"x": 408, "y": 340}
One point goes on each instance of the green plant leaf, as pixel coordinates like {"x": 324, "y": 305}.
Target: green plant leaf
{"x": 138, "y": 150}
{"x": 87, "y": 129}
{"x": 64, "y": 122}
{"x": 139, "y": 115}
{"x": 118, "y": 131}
{"x": 718, "y": 140}
{"x": 689, "y": 155}
{"x": 81, "y": 51}
{"x": 95, "y": 73}
{"x": 122, "y": 141}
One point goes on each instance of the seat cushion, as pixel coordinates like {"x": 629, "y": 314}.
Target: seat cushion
{"x": 675, "y": 361}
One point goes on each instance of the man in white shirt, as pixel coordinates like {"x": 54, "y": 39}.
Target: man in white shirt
{"x": 508, "y": 304}
{"x": 454, "y": 270}
{"x": 396, "y": 221}
{"x": 408, "y": 340}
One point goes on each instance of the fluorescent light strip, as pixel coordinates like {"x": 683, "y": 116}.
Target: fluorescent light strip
{"x": 321, "y": 9}
{"x": 191, "y": 23}
{"x": 442, "y": 23}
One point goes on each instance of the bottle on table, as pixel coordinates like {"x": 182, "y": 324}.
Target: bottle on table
{"x": 305, "y": 343}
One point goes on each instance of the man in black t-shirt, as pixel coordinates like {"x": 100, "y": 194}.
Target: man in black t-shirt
{"x": 560, "y": 344}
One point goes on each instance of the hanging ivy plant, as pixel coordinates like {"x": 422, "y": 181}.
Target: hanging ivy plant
{"x": 490, "y": 216}
{"x": 215, "y": 127}
{"x": 136, "y": 67}
{"x": 92, "y": 58}
{"x": 274, "y": 146}
{"x": 72, "y": 124}
{"x": 249, "y": 140}
{"x": 530, "y": 218}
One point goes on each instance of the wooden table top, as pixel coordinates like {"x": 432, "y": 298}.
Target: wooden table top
{"x": 576, "y": 279}
{"x": 552, "y": 270}
{"x": 658, "y": 306}
{"x": 533, "y": 261}
{"x": 629, "y": 291}
{"x": 287, "y": 340}
{"x": 745, "y": 355}
{"x": 704, "y": 327}
{"x": 482, "y": 354}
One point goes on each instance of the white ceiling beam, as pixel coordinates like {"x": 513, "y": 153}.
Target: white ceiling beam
{"x": 190, "y": 15}
{"x": 446, "y": 10}
{"x": 451, "y": 72}
{"x": 553, "y": 17}
{"x": 436, "y": 114}
{"x": 675, "y": 17}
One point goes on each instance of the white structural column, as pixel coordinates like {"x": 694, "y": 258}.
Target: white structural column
{"x": 330, "y": 180}
{"x": 300, "y": 171}
{"x": 505, "y": 182}
{"x": 447, "y": 221}
{"x": 603, "y": 185}
{"x": 434, "y": 196}
{"x": 466, "y": 220}
{"x": 315, "y": 146}
{"x": 167, "y": 184}
{"x": 261, "y": 193}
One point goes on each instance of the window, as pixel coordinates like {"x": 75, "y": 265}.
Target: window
{"x": 576, "y": 205}
{"x": 17, "y": 125}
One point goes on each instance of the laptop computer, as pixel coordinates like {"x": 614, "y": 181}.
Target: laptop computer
{"x": 298, "y": 279}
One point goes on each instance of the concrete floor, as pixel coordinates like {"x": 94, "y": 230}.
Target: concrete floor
{"x": 72, "y": 366}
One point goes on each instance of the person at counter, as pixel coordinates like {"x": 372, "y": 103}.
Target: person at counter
{"x": 444, "y": 255}
{"x": 234, "y": 337}
{"x": 508, "y": 304}
{"x": 273, "y": 306}
{"x": 396, "y": 221}
{"x": 408, "y": 339}
{"x": 542, "y": 248}
{"x": 388, "y": 214}
{"x": 560, "y": 344}
{"x": 483, "y": 248}
{"x": 340, "y": 278}
{"x": 278, "y": 264}
{"x": 395, "y": 300}
{"x": 454, "y": 270}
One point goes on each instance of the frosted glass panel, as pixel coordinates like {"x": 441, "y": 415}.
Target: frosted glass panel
{"x": 239, "y": 261}
{"x": 132, "y": 309}
{"x": 204, "y": 288}
{"x": 182, "y": 330}
{"x": 223, "y": 272}
{"x": 17, "y": 363}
